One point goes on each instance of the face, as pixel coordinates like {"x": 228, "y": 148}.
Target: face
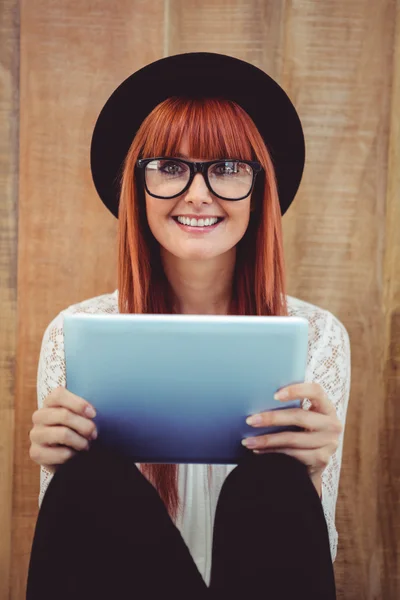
{"x": 189, "y": 242}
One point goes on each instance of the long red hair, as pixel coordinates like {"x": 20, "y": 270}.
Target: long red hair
{"x": 216, "y": 128}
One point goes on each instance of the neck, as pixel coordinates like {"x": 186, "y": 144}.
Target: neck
{"x": 201, "y": 287}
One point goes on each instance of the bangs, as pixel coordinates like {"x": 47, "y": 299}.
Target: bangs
{"x": 214, "y": 127}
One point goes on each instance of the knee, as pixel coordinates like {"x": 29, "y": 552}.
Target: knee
{"x": 94, "y": 468}
{"x": 278, "y": 461}
{"x": 275, "y": 471}
{"x": 274, "y": 462}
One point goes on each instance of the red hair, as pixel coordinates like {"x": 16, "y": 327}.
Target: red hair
{"x": 216, "y": 128}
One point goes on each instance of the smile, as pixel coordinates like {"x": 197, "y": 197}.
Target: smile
{"x": 198, "y": 222}
{"x": 190, "y": 223}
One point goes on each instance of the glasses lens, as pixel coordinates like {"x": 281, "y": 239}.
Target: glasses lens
{"x": 166, "y": 177}
{"x": 231, "y": 179}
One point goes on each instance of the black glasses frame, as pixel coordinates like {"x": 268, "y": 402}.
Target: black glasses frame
{"x": 199, "y": 167}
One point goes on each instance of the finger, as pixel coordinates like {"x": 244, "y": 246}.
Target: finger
{"x": 50, "y": 456}
{"x": 292, "y": 416}
{"x": 313, "y": 392}
{"x": 290, "y": 439}
{"x": 51, "y": 436}
{"x": 63, "y": 397}
{"x": 64, "y": 416}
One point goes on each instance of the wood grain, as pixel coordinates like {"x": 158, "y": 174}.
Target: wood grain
{"x": 9, "y": 89}
{"x": 389, "y": 430}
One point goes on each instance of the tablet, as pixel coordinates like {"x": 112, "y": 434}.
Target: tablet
{"x": 178, "y": 388}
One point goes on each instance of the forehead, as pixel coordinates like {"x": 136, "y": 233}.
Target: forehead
{"x": 183, "y": 150}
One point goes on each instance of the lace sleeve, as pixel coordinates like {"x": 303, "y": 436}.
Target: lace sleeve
{"x": 332, "y": 370}
{"x": 51, "y": 374}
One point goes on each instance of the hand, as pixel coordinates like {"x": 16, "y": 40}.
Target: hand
{"x": 60, "y": 428}
{"x": 314, "y": 446}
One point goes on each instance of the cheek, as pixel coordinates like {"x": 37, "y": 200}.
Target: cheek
{"x": 239, "y": 217}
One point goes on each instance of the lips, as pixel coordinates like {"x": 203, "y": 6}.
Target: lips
{"x": 193, "y": 223}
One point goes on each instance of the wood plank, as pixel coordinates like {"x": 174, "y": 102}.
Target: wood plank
{"x": 9, "y": 68}
{"x": 389, "y": 432}
{"x": 248, "y": 29}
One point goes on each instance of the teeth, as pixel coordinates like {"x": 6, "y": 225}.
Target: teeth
{"x": 197, "y": 222}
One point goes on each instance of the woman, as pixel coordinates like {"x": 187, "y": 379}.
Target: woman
{"x": 194, "y": 239}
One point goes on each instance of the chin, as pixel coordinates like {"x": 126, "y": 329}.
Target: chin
{"x": 198, "y": 255}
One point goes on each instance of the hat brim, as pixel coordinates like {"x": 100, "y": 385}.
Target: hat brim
{"x": 197, "y": 74}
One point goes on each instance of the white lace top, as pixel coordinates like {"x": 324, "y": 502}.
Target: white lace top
{"x": 328, "y": 364}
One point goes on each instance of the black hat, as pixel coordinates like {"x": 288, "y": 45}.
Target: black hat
{"x": 197, "y": 74}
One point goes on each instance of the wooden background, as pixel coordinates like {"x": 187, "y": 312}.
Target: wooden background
{"x": 339, "y": 61}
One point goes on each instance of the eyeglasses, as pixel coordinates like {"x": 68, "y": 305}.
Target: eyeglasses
{"x": 228, "y": 179}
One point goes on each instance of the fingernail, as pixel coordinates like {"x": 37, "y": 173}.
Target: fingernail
{"x": 90, "y": 412}
{"x": 281, "y": 395}
{"x": 94, "y": 434}
{"x": 249, "y": 443}
{"x": 254, "y": 420}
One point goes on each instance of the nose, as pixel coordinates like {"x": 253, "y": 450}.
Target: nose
{"x": 198, "y": 193}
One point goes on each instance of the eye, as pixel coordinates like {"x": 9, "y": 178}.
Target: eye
{"x": 235, "y": 169}
{"x": 225, "y": 168}
{"x": 171, "y": 167}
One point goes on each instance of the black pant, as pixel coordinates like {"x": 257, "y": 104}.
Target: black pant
{"x": 104, "y": 533}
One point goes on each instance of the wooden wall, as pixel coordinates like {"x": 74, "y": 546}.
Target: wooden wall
{"x": 339, "y": 60}
{"x": 9, "y": 87}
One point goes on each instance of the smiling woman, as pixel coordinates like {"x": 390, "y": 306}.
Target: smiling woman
{"x": 211, "y": 129}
